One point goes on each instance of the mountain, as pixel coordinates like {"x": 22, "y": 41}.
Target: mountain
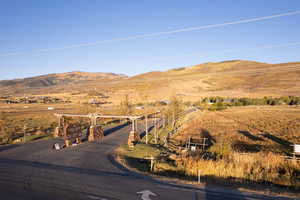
{"x": 51, "y": 81}
{"x": 59, "y": 79}
{"x": 238, "y": 78}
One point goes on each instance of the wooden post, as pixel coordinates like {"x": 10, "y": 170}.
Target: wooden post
{"x": 204, "y": 143}
{"x": 146, "y": 129}
{"x": 93, "y": 121}
{"x": 136, "y": 125}
{"x": 59, "y": 122}
{"x": 57, "y": 132}
{"x": 155, "y": 129}
{"x": 173, "y": 122}
{"x": 152, "y": 163}
{"x": 132, "y": 124}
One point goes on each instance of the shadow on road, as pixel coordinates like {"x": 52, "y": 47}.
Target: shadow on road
{"x": 113, "y": 129}
{"x": 7, "y": 147}
{"x": 76, "y": 170}
{"x": 142, "y": 134}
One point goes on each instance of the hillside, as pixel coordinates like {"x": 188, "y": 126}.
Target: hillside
{"x": 54, "y": 82}
{"x": 238, "y": 78}
{"x": 230, "y": 78}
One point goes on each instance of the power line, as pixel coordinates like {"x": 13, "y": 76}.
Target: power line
{"x": 189, "y": 29}
{"x": 270, "y": 46}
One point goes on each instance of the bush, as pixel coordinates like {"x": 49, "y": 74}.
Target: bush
{"x": 288, "y": 100}
{"x": 217, "y": 107}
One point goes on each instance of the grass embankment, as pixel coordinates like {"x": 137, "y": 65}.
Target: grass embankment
{"x": 246, "y": 146}
{"x": 30, "y": 138}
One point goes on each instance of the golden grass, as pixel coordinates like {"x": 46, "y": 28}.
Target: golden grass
{"x": 261, "y": 167}
{"x": 248, "y": 145}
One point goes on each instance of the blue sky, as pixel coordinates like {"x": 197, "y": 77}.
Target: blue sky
{"x": 34, "y": 34}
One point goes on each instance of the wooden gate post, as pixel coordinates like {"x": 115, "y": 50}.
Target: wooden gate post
{"x": 59, "y": 128}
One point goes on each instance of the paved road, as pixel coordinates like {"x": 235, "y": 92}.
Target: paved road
{"x": 87, "y": 171}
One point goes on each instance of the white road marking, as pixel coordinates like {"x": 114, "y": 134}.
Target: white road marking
{"x": 146, "y": 194}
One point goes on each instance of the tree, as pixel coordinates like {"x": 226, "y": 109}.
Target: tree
{"x": 174, "y": 109}
{"x": 125, "y": 106}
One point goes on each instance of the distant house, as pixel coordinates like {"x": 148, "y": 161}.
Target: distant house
{"x": 94, "y": 101}
{"x": 140, "y": 107}
{"x": 227, "y": 101}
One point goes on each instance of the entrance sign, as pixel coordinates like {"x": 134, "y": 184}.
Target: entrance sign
{"x": 72, "y": 131}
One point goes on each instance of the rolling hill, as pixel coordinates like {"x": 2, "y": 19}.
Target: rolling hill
{"x": 238, "y": 78}
{"x": 54, "y": 82}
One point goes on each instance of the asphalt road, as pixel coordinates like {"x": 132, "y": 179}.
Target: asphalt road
{"x": 87, "y": 171}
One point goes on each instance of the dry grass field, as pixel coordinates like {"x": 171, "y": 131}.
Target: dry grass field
{"x": 246, "y": 144}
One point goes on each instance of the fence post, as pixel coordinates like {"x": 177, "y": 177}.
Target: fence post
{"x": 146, "y": 129}
{"x": 151, "y": 163}
{"x": 204, "y": 144}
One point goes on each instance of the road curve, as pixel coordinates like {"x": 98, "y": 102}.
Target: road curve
{"x": 87, "y": 171}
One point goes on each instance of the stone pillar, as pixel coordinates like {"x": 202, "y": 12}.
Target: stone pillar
{"x": 56, "y": 132}
{"x": 131, "y": 139}
{"x": 133, "y": 135}
{"x": 91, "y": 133}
